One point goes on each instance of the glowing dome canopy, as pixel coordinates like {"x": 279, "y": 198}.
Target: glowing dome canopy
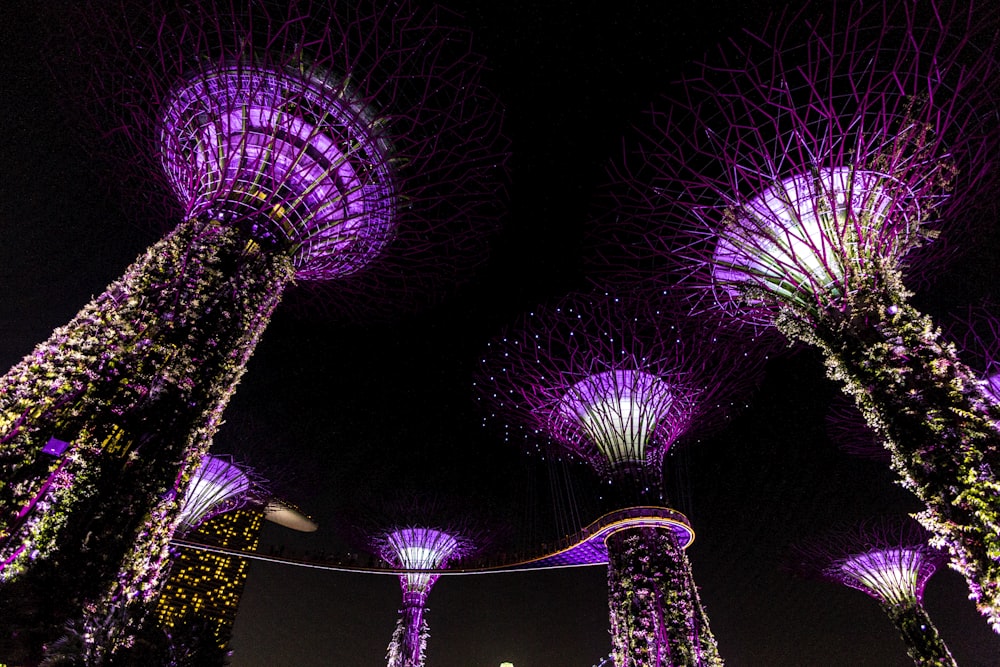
{"x": 794, "y": 237}
{"x": 288, "y": 154}
{"x": 895, "y": 576}
{"x": 992, "y": 387}
{"x": 216, "y": 486}
{"x": 419, "y": 549}
{"x": 618, "y": 411}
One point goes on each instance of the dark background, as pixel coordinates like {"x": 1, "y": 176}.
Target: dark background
{"x": 341, "y": 414}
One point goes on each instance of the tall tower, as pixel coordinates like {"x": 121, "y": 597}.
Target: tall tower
{"x": 890, "y": 562}
{"x": 617, "y": 382}
{"x": 806, "y": 186}
{"x": 299, "y": 145}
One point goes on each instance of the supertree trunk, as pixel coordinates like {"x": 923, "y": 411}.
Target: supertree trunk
{"x": 133, "y": 388}
{"x": 934, "y": 419}
{"x": 656, "y": 615}
{"x": 923, "y": 643}
{"x": 408, "y": 647}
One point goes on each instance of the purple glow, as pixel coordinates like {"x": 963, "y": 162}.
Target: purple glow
{"x": 618, "y": 411}
{"x": 894, "y": 576}
{"x": 55, "y": 447}
{"x": 215, "y": 487}
{"x": 992, "y": 387}
{"x": 615, "y": 381}
{"x": 418, "y": 549}
{"x": 795, "y": 235}
{"x": 287, "y": 150}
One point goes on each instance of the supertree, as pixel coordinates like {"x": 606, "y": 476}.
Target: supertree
{"x": 419, "y": 533}
{"x": 301, "y": 142}
{"x": 615, "y": 381}
{"x": 890, "y": 561}
{"x": 218, "y": 485}
{"x": 807, "y": 172}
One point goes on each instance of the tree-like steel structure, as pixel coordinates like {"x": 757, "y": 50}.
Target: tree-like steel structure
{"x": 616, "y": 382}
{"x": 890, "y": 561}
{"x": 420, "y": 534}
{"x": 303, "y": 142}
{"x": 218, "y": 485}
{"x": 807, "y": 173}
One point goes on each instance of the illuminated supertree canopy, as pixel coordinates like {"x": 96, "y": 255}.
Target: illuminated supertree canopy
{"x": 617, "y": 381}
{"x": 217, "y": 486}
{"x": 421, "y": 534}
{"x": 890, "y": 561}
{"x": 300, "y": 145}
{"x": 808, "y": 173}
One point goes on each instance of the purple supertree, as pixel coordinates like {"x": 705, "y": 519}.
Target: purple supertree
{"x": 617, "y": 382}
{"x": 890, "y": 561}
{"x": 420, "y": 534}
{"x": 300, "y": 145}
{"x": 218, "y": 485}
{"x": 807, "y": 172}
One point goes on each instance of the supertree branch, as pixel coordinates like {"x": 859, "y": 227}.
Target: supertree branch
{"x": 812, "y": 174}
{"x": 357, "y": 133}
{"x": 616, "y": 381}
{"x": 890, "y": 562}
{"x": 976, "y": 333}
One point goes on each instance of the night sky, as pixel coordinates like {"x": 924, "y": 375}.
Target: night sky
{"x": 340, "y": 414}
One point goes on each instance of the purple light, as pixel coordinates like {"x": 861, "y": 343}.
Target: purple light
{"x": 294, "y": 153}
{"x": 895, "y": 576}
{"x": 796, "y": 235}
{"x": 215, "y": 487}
{"x": 55, "y": 447}
{"x": 418, "y": 549}
{"x": 618, "y": 411}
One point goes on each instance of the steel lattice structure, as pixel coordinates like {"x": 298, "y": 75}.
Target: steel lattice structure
{"x": 617, "y": 381}
{"x": 217, "y": 486}
{"x": 798, "y": 177}
{"x": 301, "y": 142}
{"x": 890, "y": 562}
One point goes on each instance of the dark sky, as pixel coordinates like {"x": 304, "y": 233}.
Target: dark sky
{"x": 341, "y": 413}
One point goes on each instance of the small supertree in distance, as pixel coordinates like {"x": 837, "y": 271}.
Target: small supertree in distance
{"x": 796, "y": 178}
{"x": 218, "y": 485}
{"x": 847, "y": 428}
{"x": 420, "y": 533}
{"x": 616, "y": 381}
{"x": 890, "y": 561}
{"x": 310, "y": 142}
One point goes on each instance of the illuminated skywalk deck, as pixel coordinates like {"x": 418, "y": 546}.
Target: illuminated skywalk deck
{"x": 584, "y": 548}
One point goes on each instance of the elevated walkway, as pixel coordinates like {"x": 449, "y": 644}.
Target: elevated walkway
{"x": 585, "y": 548}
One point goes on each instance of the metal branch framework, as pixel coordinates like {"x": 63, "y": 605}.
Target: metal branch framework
{"x": 218, "y": 485}
{"x": 798, "y": 177}
{"x": 420, "y": 533}
{"x": 889, "y": 561}
{"x": 300, "y": 141}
